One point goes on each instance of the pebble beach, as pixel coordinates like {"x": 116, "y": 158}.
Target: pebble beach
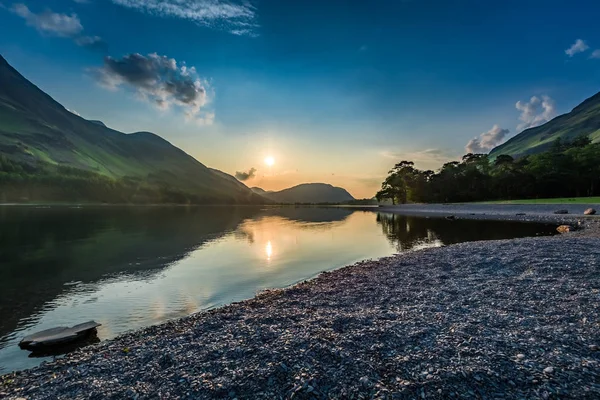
{"x": 496, "y": 319}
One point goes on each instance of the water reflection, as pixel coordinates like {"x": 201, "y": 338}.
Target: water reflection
{"x": 411, "y": 233}
{"x": 132, "y": 267}
{"x": 269, "y": 250}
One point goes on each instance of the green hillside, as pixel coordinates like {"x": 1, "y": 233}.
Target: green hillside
{"x": 307, "y": 193}
{"x": 37, "y": 131}
{"x": 583, "y": 120}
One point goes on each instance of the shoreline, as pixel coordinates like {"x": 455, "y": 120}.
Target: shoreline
{"x": 501, "y": 212}
{"x": 451, "y": 321}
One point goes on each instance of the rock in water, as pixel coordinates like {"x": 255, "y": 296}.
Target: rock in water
{"x": 589, "y": 211}
{"x": 561, "y": 212}
{"x": 565, "y": 229}
{"x": 58, "y": 336}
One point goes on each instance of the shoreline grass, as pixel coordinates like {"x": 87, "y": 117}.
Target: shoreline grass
{"x": 562, "y": 200}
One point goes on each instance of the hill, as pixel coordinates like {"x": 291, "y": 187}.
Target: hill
{"x": 260, "y": 191}
{"x": 308, "y": 193}
{"x": 582, "y": 120}
{"x": 47, "y": 144}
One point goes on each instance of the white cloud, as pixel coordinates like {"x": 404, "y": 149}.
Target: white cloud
{"x": 535, "y": 112}
{"x": 578, "y": 47}
{"x": 487, "y": 140}
{"x": 160, "y": 81}
{"x": 74, "y": 112}
{"x": 237, "y": 18}
{"x": 49, "y": 22}
{"x": 595, "y": 54}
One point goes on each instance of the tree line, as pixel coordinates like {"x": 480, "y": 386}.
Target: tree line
{"x": 43, "y": 182}
{"x": 566, "y": 169}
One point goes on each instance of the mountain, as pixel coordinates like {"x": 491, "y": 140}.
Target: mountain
{"x": 97, "y": 122}
{"x": 260, "y": 191}
{"x": 583, "y": 120}
{"x": 307, "y": 193}
{"x": 37, "y": 131}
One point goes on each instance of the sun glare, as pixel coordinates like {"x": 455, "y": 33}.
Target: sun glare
{"x": 269, "y": 250}
{"x": 270, "y": 161}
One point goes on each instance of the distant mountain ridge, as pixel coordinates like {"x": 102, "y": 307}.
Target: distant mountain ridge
{"x": 307, "y": 193}
{"x": 35, "y": 128}
{"x": 97, "y": 122}
{"x": 582, "y": 120}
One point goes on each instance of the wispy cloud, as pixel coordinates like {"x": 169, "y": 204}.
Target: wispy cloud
{"x": 578, "y": 47}
{"x": 92, "y": 43}
{"x": 536, "y": 111}
{"x": 487, "y": 140}
{"x": 160, "y": 81}
{"x": 237, "y": 18}
{"x": 61, "y": 25}
{"x": 49, "y": 22}
{"x": 595, "y": 54}
{"x": 244, "y": 176}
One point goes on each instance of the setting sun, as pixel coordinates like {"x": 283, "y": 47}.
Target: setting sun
{"x": 270, "y": 161}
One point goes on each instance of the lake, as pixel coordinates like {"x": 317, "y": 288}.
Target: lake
{"x": 130, "y": 267}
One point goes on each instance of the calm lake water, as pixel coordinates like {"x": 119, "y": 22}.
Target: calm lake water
{"x": 130, "y": 267}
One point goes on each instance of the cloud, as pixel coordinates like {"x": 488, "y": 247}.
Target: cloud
{"x": 487, "y": 140}
{"x": 61, "y": 25}
{"x": 578, "y": 47}
{"x": 48, "y": 22}
{"x": 158, "y": 80}
{"x": 536, "y": 111}
{"x": 93, "y": 43}
{"x": 595, "y": 54}
{"x": 74, "y": 112}
{"x": 244, "y": 176}
{"x": 235, "y": 17}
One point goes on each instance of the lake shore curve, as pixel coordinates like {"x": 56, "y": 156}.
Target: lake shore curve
{"x": 496, "y": 319}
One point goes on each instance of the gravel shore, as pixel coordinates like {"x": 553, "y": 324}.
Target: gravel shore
{"x": 502, "y": 319}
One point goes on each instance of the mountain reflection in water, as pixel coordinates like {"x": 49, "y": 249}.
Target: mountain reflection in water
{"x": 129, "y": 267}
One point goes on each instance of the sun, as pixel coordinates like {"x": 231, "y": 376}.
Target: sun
{"x": 270, "y": 161}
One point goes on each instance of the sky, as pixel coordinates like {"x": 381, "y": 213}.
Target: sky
{"x": 331, "y": 91}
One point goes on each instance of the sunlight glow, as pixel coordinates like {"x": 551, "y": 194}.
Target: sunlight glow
{"x": 269, "y": 250}
{"x": 269, "y": 161}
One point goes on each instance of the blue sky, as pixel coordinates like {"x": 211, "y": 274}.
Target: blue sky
{"x": 336, "y": 91}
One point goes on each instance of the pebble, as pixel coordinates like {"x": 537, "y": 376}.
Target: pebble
{"x": 331, "y": 337}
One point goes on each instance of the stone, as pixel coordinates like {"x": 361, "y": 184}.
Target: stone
{"x": 565, "y": 229}
{"x": 520, "y": 356}
{"x": 548, "y": 370}
{"x": 593, "y": 347}
{"x": 561, "y": 212}
{"x": 589, "y": 211}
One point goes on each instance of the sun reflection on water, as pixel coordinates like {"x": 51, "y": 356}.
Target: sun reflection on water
{"x": 269, "y": 250}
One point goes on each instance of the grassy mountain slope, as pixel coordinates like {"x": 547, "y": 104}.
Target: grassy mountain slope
{"x": 34, "y": 127}
{"x": 583, "y": 120}
{"x": 308, "y": 193}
